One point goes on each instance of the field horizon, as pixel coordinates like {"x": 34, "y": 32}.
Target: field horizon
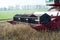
{"x": 10, "y": 13}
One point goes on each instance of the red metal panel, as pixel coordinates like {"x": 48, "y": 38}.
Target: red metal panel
{"x": 53, "y": 25}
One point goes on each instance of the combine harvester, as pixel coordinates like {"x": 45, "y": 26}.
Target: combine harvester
{"x": 42, "y": 20}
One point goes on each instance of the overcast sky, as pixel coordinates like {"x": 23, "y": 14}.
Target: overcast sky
{"x": 5, "y": 3}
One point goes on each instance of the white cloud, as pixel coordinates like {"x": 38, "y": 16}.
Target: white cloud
{"x": 5, "y": 3}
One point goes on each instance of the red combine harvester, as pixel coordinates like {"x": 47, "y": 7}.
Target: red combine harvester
{"x": 54, "y": 24}
{"x": 45, "y": 22}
